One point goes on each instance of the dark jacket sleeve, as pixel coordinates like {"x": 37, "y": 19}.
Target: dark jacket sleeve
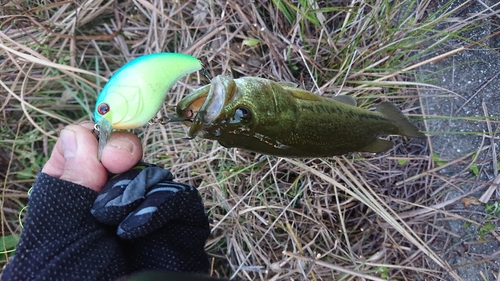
{"x": 61, "y": 240}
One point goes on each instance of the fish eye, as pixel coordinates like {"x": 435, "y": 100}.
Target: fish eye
{"x": 243, "y": 112}
{"x": 103, "y": 108}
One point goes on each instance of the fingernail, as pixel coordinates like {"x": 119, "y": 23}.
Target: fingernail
{"x": 122, "y": 143}
{"x": 68, "y": 139}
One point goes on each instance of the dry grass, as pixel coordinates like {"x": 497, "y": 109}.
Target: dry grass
{"x": 355, "y": 217}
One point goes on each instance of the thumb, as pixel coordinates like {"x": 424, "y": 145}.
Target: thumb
{"x": 74, "y": 159}
{"x": 81, "y": 165}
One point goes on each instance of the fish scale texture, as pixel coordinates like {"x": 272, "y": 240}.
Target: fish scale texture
{"x": 63, "y": 240}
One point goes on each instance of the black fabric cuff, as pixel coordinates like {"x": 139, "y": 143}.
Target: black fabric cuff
{"x": 61, "y": 240}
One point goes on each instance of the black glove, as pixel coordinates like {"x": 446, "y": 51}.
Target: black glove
{"x": 163, "y": 224}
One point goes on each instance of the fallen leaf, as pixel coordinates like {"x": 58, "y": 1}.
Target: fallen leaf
{"x": 470, "y": 200}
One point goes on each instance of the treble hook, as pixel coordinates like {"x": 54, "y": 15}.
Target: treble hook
{"x": 205, "y": 72}
{"x": 96, "y": 130}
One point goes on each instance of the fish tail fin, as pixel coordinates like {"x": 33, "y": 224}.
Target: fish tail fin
{"x": 397, "y": 117}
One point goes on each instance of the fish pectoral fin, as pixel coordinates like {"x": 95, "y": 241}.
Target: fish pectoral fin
{"x": 377, "y": 146}
{"x": 397, "y": 118}
{"x": 346, "y": 100}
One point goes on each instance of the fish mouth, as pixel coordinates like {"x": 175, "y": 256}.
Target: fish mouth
{"x": 206, "y": 109}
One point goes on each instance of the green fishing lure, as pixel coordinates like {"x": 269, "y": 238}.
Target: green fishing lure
{"x": 135, "y": 93}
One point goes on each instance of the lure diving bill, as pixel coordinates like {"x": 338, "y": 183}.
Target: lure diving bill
{"x": 279, "y": 119}
{"x": 135, "y": 93}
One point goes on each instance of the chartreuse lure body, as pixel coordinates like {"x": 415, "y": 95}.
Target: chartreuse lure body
{"x": 135, "y": 93}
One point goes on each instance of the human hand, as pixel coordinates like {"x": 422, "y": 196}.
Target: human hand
{"x": 176, "y": 229}
{"x": 162, "y": 226}
{"x": 74, "y": 157}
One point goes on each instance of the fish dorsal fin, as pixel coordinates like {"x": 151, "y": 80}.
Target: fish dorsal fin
{"x": 287, "y": 84}
{"x": 346, "y": 100}
{"x": 304, "y": 95}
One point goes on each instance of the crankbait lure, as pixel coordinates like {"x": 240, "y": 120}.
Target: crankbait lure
{"x": 135, "y": 93}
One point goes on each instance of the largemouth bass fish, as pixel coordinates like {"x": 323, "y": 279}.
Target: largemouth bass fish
{"x": 135, "y": 93}
{"x": 279, "y": 119}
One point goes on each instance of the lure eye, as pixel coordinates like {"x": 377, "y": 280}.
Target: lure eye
{"x": 243, "y": 113}
{"x": 103, "y": 108}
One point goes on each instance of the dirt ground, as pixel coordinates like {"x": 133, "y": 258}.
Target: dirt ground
{"x": 472, "y": 81}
